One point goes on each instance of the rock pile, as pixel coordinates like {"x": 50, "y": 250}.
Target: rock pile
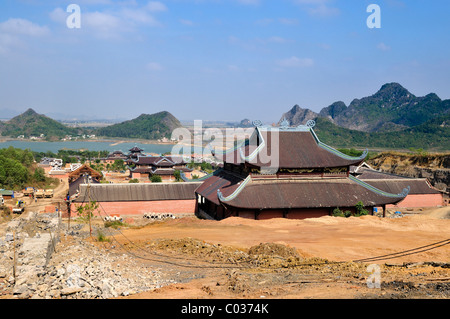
{"x": 81, "y": 270}
{"x": 40, "y": 267}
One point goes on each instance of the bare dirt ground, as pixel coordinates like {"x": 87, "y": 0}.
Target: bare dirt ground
{"x": 321, "y": 258}
{"x": 312, "y": 258}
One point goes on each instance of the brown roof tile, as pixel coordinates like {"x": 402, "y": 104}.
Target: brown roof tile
{"x": 341, "y": 192}
{"x": 291, "y": 193}
{"x": 292, "y": 149}
{"x": 223, "y": 180}
{"x": 417, "y": 185}
{"x": 137, "y": 192}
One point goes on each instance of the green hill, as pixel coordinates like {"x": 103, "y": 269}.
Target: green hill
{"x": 152, "y": 127}
{"x": 391, "y": 118}
{"x": 31, "y": 123}
{"x": 392, "y": 108}
{"x": 431, "y": 135}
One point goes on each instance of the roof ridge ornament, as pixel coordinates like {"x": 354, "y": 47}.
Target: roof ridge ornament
{"x": 284, "y": 125}
{"x": 257, "y": 123}
{"x": 311, "y": 123}
{"x": 405, "y": 192}
{"x": 236, "y": 191}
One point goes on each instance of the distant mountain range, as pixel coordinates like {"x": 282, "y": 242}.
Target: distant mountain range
{"x": 392, "y": 108}
{"x": 390, "y": 118}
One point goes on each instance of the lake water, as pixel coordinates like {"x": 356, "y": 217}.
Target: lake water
{"x": 83, "y": 145}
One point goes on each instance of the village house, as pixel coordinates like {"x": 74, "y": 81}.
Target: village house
{"x": 113, "y": 156}
{"x": 82, "y": 175}
{"x": 49, "y": 163}
{"x": 310, "y": 179}
{"x": 164, "y": 166}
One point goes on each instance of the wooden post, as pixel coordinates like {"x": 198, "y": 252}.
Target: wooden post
{"x": 68, "y": 211}
{"x": 14, "y": 256}
{"x": 90, "y": 228}
{"x": 89, "y": 201}
{"x": 51, "y": 239}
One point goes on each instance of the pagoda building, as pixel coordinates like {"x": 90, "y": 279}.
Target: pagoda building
{"x": 286, "y": 172}
{"x": 135, "y": 152}
{"x": 163, "y": 166}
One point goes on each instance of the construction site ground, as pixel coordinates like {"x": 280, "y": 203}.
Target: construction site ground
{"x": 301, "y": 259}
{"x": 237, "y": 258}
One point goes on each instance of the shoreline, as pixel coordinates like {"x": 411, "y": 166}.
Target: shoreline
{"x": 103, "y": 140}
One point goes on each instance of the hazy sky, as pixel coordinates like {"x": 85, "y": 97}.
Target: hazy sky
{"x": 216, "y": 59}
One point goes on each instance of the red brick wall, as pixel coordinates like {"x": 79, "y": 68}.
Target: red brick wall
{"x": 270, "y": 214}
{"x": 311, "y": 213}
{"x": 141, "y": 207}
{"x": 293, "y": 214}
{"x": 247, "y": 214}
{"x": 136, "y": 175}
{"x": 421, "y": 200}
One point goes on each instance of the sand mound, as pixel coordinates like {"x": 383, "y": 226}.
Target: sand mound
{"x": 440, "y": 213}
{"x": 273, "y": 249}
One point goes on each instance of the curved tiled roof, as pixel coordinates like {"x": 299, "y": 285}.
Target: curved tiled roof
{"x": 225, "y": 188}
{"x": 288, "y": 148}
{"x": 137, "y": 192}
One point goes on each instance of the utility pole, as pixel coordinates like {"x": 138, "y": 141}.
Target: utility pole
{"x": 89, "y": 201}
{"x": 68, "y": 210}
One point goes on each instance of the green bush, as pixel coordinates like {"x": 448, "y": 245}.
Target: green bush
{"x": 156, "y": 179}
{"x": 360, "y": 211}
{"x": 115, "y": 224}
{"x": 347, "y": 214}
{"x": 101, "y": 237}
{"x": 338, "y": 213}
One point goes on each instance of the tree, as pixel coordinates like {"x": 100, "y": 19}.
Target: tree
{"x": 360, "y": 211}
{"x": 39, "y": 175}
{"x": 86, "y": 212}
{"x": 177, "y": 175}
{"x": 12, "y": 173}
{"x": 118, "y": 165}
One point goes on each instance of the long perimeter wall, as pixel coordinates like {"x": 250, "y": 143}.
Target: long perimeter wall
{"x": 131, "y": 208}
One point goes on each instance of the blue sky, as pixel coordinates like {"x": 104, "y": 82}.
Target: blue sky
{"x": 216, "y": 59}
